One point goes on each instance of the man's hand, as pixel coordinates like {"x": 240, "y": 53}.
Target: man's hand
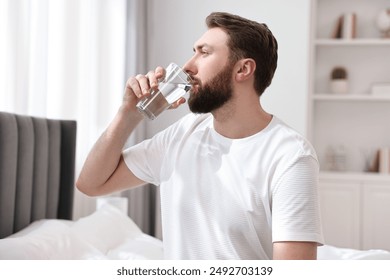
{"x": 141, "y": 86}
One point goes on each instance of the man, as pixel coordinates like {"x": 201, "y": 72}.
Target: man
{"x": 236, "y": 182}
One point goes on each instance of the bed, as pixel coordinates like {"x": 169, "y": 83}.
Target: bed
{"x": 37, "y": 157}
{"x": 37, "y": 165}
{"x": 106, "y": 234}
{"x": 37, "y": 174}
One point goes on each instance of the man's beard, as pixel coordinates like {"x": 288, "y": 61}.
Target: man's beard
{"x": 214, "y": 94}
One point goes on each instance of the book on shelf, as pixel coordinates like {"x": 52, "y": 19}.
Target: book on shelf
{"x": 381, "y": 163}
{"x": 345, "y": 27}
{"x": 384, "y": 160}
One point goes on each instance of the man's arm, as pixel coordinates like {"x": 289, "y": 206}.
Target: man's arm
{"x": 295, "y": 251}
{"x": 104, "y": 170}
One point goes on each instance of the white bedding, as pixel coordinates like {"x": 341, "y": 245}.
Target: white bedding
{"x": 105, "y": 234}
{"x": 110, "y": 234}
{"x": 327, "y": 252}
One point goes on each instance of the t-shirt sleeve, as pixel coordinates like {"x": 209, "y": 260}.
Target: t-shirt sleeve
{"x": 295, "y": 203}
{"x": 145, "y": 159}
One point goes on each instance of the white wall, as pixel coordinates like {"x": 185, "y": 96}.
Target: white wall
{"x": 174, "y": 25}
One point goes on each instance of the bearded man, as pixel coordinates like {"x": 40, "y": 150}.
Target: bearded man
{"x": 235, "y": 181}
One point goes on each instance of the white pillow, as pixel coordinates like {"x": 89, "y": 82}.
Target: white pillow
{"x": 49, "y": 239}
{"x": 106, "y": 228}
{"x": 35, "y": 225}
{"x": 142, "y": 247}
{"x": 105, "y": 232}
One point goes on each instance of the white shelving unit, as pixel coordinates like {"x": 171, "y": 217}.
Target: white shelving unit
{"x": 367, "y": 59}
{"x": 352, "y": 199}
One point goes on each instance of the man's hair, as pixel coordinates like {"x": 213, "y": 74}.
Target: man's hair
{"x": 249, "y": 39}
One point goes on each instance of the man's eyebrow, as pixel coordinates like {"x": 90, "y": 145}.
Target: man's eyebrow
{"x": 201, "y": 46}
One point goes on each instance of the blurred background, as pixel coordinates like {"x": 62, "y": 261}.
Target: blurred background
{"x": 71, "y": 58}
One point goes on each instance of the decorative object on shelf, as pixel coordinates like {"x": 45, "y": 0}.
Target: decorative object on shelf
{"x": 380, "y": 89}
{"x": 339, "y": 80}
{"x": 370, "y": 156}
{"x": 384, "y": 160}
{"x": 330, "y": 159}
{"x": 345, "y": 27}
{"x": 381, "y": 163}
{"x": 383, "y": 22}
{"x": 336, "y": 158}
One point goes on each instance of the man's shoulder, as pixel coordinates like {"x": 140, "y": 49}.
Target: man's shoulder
{"x": 284, "y": 134}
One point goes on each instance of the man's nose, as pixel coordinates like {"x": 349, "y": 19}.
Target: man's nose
{"x": 190, "y": 67}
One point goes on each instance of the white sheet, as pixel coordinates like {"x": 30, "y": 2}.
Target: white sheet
{"x": 327, "y": 252}
{"x": 106, "y": 234}
{"x": 110, "y": 234}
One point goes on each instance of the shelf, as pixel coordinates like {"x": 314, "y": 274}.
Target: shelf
{"x": 355, "y": 176}
{"x": 349, "y": 97}
{"x": 352, "y": 42}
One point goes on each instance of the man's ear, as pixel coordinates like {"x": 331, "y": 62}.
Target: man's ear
{"x": 245, "y": 69}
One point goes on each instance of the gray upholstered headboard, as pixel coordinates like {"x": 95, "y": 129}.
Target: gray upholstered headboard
{"x": 37, "y": 166}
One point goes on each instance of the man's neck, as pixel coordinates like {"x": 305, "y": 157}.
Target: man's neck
{"x": 238, "y": 120}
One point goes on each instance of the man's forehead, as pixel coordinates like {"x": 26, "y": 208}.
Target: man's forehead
{"x": 213, "y": 37}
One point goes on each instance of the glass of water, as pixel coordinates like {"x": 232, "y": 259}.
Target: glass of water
{"x": 175, "y": 84}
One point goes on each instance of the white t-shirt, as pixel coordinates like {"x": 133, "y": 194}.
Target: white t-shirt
{"x": 227, "y": 198}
